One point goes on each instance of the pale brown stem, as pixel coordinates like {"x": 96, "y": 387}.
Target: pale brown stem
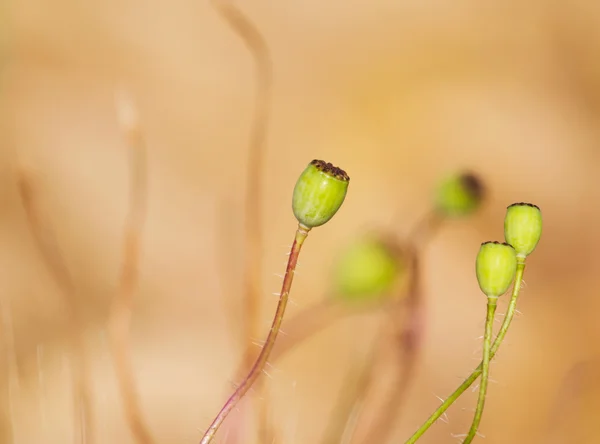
{"x": 407, "y": 339}
{"x": 354, "y": 394}
{"x": 406, "y": 319}
{"x": 227, "y": 248}
{"x": 262, "y": 359}
{"x": 119, "y": 320}
{"x": 257, "y": 46}
{"x": 10, "y": 369}
{"x": 347, "y": 410}
{"x": 46, "y": 244}
{"x": 427, "y": 227}
{"x": 253, "y": 236}
{"x": 266, "y": 432}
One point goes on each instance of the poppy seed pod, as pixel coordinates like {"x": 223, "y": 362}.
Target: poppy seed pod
{"x": 495, "y": 267}
{"x": 367, "y": 270}
{"x": 319, "y": 193}
{"x": 459, "y": 195}
{"x": 523, "y": 227}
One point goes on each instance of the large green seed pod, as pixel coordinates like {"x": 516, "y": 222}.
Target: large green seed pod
{"x": 319, "y": 193}
{"x": 368, "y": 270}
{"x": 495, "y": 267}
{"x": 523, "y": 227}
{"x": 459, "y": 195}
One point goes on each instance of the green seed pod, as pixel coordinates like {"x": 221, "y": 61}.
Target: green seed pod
{"x": 495, "y": 267}
{"x": 319, "y": 193}
{"x": 368, "y": 270}
{"x": 523, "y": 227}
{"x": 459, "y": 195}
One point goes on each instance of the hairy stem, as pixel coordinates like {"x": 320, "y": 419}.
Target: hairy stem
{"x": 261, "y": 361}
{"x": 485, "y": 368}
{"x": 47, "y": 245}
{"x": 298, "y": 328}
{"x": 307, "y": 323}
{"x": 324, "y": 313}
{"x": 119, "y": 319}
{"x": 471, "y": 379}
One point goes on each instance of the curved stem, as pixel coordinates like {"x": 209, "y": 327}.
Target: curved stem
{"x": 257, "y": 45}
{"x": 406, "y": 316}
{"x": 408, "y": 324}
{"x": 408, "y": 339}
{"x": 10, "y": 371}
{"x": 303, "y": 325}
{"x": 485, "y": 368}
{"x": 261, "y": 361}
{"x": 308, "y": 322}
{"x": 299, "y": 327}
{"x": 313, "y": 319}
{"x": 352, "y": 395}
{"x": 467, "y": 383}
{"x": 47, "y": 244}
{"x": 119, "y": 318}
{"x": 427, "y": 227}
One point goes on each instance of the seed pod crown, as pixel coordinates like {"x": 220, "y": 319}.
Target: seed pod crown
{"x": 319, "y": 193}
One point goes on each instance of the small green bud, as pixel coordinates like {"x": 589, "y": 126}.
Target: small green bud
{"x": 495, "y": 267}
{"x": 367, "y": 270}
{"x": 523, "y": 227}
{"x": 459, "y": 195}
{"x": 319, "y": 193}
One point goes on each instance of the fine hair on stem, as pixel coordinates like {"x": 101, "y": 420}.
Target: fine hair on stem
{"x": 510, "y": 312}
{"x": 261, "y": 361}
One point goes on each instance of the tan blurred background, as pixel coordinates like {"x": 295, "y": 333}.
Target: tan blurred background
{"x": 398, "y": 93}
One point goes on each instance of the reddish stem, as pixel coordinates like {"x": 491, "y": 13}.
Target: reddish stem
{"x": 262, "y": 359}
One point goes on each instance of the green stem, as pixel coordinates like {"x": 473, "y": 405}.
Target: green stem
{"x": 262, "y": 359}
{"x": 485, "y": 368}
{"x": 510, "y": 312}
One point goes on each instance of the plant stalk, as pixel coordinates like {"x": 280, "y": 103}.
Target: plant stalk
{"x": 261, "y": 361}
{"x": 257, "y": 45}
{"x": 47, "y": 244}
{"x": 485, "y": 368}
{"x": 494, "y": 348}
{"x": 408, "y": 341}
{"x": 121, "y": 309}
